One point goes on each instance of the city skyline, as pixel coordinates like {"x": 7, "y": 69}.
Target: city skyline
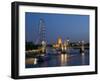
{"x": 67, "y": 26}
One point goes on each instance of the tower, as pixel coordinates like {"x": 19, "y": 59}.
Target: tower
{"x": 82, "y": 49}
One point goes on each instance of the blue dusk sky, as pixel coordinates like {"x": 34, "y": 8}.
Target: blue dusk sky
{"x": 66, "y": 26}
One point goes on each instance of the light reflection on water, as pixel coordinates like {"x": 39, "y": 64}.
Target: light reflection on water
{"x": 64, "y": 59}
{"x": 31, "y": 61}
{"x": 53, "y": 60}
{"x": 83, "y": 58}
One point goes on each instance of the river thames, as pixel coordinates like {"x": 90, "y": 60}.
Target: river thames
{"x": 57, "y": 59}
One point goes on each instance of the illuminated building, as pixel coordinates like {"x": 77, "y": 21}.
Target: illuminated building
{"x": 59, "y": 43}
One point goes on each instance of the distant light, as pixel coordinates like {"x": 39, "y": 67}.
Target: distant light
{"x": 82, "y": 41}
{"x": 68, "y": 40}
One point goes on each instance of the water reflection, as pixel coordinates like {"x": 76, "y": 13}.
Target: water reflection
{"x": 53, "y": 59}
{"x": 31, "y": 61}
{"x": 83, "y": 58}
{"x": 64, "y": 58}
{"x": 35, "y": 60}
